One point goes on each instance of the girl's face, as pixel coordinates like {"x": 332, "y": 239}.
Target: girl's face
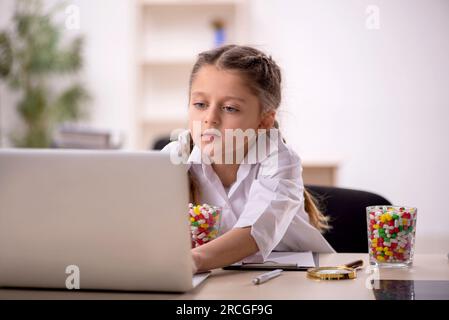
{"x": 220, "y": 99}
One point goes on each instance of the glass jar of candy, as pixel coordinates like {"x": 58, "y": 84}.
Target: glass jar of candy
{"x": 391, "y": 235}
{"x": 204, "y": 223}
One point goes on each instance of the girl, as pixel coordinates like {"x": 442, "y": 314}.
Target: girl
{"x": 264, "y": 204}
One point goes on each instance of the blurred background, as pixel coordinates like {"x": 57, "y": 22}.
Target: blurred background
{"x": 365, "y": 83}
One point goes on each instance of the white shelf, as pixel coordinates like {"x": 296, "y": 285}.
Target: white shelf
{"x": 170, "y": 34}
{"x": 165, "y": 91}
{"x": 180, "y": 32}
{"x": 152, "y": 117}
{"x": 320, "y": 163}
{"x": 167, "y": 61}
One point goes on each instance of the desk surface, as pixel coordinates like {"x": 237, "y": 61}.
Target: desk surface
{"x": 226, "y": 284}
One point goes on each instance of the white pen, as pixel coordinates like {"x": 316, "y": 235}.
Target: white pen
{"x": 267, "y": 276}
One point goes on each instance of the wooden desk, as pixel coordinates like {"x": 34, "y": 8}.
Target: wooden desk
{"x": 290, "y": 285}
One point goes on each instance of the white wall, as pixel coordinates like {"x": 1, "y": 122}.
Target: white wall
{"x": 376, "y": 99}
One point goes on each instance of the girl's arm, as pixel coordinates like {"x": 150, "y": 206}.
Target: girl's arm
{"x": 233, "y": 246}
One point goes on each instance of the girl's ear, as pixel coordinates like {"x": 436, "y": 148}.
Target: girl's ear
{"x": 267, "y": 121}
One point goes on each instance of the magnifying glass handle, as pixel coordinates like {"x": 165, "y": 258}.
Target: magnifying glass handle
{"x": 355, "y": 264}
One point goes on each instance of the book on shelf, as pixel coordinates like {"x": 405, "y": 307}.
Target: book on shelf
{"x": 83, "y": 137}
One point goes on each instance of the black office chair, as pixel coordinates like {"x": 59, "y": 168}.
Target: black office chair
{"x": 347, "y": 211}
{"x": 160, "y": 143}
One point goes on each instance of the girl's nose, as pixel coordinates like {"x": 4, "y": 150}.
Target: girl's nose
{"x": 212, "y": 116}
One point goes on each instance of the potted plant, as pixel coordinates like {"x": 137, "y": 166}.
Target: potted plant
{"x": 35, "y": 62}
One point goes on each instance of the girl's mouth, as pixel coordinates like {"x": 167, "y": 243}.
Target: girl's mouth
{"x": 209, "y": 135}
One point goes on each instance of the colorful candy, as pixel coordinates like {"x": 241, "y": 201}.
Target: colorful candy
{"x": 204, "y": 223}
{"x": 391, "y": 234}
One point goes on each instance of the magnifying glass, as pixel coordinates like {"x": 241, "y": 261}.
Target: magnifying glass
{"x": 347, "y": 271}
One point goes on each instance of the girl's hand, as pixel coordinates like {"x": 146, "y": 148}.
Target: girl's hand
{"x": 232, "y": 246}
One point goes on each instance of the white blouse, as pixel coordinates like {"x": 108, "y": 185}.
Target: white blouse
{"x": 267, "y": 196}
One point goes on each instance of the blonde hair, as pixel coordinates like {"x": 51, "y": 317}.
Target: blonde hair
{"x": 263, "y": 76}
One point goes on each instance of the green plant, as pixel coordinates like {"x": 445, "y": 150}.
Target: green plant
{"x": 34, "y": 61}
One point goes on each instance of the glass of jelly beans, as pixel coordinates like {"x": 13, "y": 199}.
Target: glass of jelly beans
{"x": 391, "y": 235}
{"x": 204, "y": 223}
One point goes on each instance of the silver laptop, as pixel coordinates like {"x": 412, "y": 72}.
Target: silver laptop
{"x": 110, "y": 220}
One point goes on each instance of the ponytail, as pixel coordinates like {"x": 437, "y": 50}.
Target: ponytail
{"x": 194, "y": 189}
{"x": 316, "y": 217}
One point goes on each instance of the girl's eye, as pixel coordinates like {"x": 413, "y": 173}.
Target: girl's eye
{"x": 230, "y": 109}
{"x": 199, "y": 105}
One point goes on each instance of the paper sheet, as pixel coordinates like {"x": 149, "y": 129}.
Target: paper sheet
{"x": 302, "y": 259}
